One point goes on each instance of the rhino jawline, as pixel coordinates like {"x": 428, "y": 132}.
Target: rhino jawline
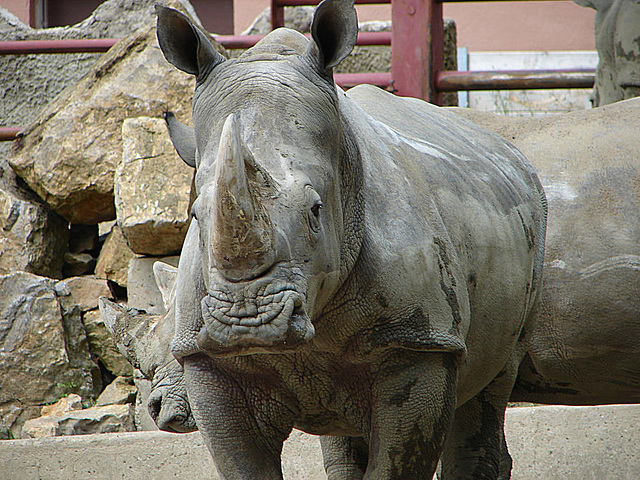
{"x": 284, "y": 327}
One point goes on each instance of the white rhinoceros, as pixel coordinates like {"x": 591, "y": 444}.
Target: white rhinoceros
{"x": 363, "y": 276}
{"x": 585, "y": 348}
{"x": 617, "y": 32}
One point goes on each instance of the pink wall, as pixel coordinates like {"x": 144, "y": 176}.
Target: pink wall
{"x": 492, "y": 26}
{"x": 20, "y": 8}
{"x": 488, "y": 26}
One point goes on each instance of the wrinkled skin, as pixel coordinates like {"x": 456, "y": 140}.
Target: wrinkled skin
{"x": 365, "y": 283}
{"x": 617, "y": 31}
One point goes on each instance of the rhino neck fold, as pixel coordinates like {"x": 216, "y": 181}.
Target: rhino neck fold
{"x": 242, "y": 237}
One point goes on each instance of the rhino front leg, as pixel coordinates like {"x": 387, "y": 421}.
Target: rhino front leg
{"x": 243, "y": 430}
{"x": 413, "y": 405}
{"x": 476, "y": 447}
{"x": 345, "y": 458}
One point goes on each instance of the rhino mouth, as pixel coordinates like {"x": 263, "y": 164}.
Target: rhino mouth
{"x": 258, "y": 318}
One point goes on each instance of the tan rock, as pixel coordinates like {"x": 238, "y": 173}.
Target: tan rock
{"x": 105, "y": 419}
{"x": 37, "y": 363}
{"x": 152, "y": 189}
{"x": 68, "y": 156}
{"x": 32, "y": 237}
{"x": 102, "y": 345}
{"x": 119, "y": 392}
{"x": 113, "y": 262}
{"x": 84, "y": 291}
{"x": 66, "y": 404}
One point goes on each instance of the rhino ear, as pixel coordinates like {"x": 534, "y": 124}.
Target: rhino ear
{"x": 334, "y": 31}
{"x": 165, "y": 275}
{"x": 184, "y": 45}
{"x": 182, "y": 137}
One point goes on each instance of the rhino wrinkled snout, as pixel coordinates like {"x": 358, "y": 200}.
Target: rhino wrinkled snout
{"x": 267, "y": 316}
{"x": 170, "y": 413}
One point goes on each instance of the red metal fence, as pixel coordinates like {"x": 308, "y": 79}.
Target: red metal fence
{"x": 417, "y": 56}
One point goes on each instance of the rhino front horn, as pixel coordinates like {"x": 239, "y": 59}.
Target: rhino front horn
{"x": 242, "y": 237}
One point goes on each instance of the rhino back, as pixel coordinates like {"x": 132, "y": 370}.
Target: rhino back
{"x": 586, "y": 347}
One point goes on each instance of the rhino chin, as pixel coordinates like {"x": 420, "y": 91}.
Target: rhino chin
{"x": 237, "y": 325}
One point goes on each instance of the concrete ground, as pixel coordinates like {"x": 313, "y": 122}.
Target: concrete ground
{"x": 547, "y": 443}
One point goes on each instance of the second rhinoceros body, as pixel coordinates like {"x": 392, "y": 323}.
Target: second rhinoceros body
{"x": 368, "y": 283}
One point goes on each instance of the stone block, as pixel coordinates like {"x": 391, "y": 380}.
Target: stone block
{"x": 32, "y": 237}
{"x": 84, "y": 291}
{"x": 101, "y": 345}
{"x": 121, "y": 391}
{"x": 66, "y": 404}
{"x": 106, "y": 419}
{"x": 143, "y": 293}
{"x": 43, "y": 349}
{"x": 152, "y": 189}
{"x": 113, "y": 262}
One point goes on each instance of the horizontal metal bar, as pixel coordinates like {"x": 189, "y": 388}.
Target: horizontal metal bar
{"x": 348, "y": 80}
{"x": 299, "y": 3}
{"x": 25, "y": 47}
{"x": 8, "y": 133}
{"x": 247, "y": 41}
{"x": 451, "y": 81}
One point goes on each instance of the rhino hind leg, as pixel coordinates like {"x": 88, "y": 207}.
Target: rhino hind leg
{"x": 345, "y": 458}
{"x": 476, "y": 447}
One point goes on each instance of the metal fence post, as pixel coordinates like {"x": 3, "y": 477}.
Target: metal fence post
{"x": 417, "y": 39}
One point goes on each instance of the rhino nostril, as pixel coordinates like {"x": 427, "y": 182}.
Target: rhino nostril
{"x": 154, "y": 405}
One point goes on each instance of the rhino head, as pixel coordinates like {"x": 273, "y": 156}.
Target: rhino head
{"x": 144, "y": 341}
{"x": 275, "y": 225}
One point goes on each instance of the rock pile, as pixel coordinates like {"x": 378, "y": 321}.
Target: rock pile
{"x": 94, "y": 185}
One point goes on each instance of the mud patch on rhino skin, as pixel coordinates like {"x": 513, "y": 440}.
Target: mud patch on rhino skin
{"x": 419, "y": 455}
{"x": 412, "y": 333}
{"x": 449, "y": 290}
{"x": 486, "y": 443}
{"x": 402, "y": 396}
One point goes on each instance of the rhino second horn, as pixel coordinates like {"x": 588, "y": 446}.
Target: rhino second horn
{"x": 243, "y": 238}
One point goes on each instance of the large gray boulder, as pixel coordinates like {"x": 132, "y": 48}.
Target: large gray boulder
{"x": 32, "y": 238}
{"x": 152, "y": 189}
{"x": 69, "y": 155}
{"x": 617, "y": 31}
{"x": 43, "y": 349}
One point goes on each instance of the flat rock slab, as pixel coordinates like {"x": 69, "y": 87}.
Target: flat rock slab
{"x": 547, "y": 443}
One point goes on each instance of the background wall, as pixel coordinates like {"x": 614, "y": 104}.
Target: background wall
{"x": 487, "y": 26}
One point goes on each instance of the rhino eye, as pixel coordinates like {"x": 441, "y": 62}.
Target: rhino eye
{"x": 315, "y": 204}
{"x": 315, "y": 210}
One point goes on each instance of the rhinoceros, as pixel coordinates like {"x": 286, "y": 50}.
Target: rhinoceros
{"x": 617, "y": 32}
{"x": 370, "y": 281}
{"x": 143, "y": 339}
{"x": 585, "y": 348}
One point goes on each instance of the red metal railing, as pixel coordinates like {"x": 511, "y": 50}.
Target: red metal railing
{"x": 417, "y": 55}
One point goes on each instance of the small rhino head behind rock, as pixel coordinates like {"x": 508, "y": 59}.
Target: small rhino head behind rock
{"x": 144, "y": 340}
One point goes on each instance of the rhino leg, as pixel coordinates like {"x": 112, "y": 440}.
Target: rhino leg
{"x": 243, "y": 420}
{"x": 476, "y": 446}
{"x": 345, "y": 458}
{"x": 414, "y": 397}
